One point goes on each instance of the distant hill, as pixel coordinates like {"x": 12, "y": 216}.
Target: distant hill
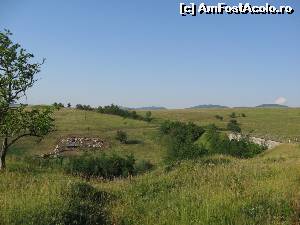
{"x": 209, "y": 107}
{"x": 271, "y": 106}
{"x": 144, "y": 108}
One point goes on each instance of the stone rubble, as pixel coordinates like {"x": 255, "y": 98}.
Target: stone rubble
{"x": 75, "y": 143}
{"x": 260, "y": 141}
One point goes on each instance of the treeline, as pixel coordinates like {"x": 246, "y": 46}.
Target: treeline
{"x": 190, "y": 141}
{"x": 84, "y": 107}
{"x": 116, "y": 110}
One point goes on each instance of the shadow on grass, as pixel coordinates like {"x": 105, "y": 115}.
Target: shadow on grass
{"x": 133, "y": 142}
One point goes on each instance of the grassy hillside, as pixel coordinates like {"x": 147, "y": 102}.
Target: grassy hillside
{"x": 216, "y": 190}
{"x": 278, "y": 124}
{"x": 211, "y": 190}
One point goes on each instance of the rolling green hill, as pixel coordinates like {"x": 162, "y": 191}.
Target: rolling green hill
{"x": 211, "y": 190}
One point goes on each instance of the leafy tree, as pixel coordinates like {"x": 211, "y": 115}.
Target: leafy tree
{"x": 69, "y": 105}
{"x": 17, "y": 75}
{"x": 58, "y": 106}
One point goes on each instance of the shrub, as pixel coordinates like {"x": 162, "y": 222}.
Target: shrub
{"x": 182, "y": 130}
{"x": 148, "y": 116}
{"x": 101, "y": 166}
{"x": 218, "y": 143}
{"x": 234, "y": 126}
{"x": 181, "y": 140}
{"x": 122, "y": 136}
{"x": 58, "y": 106}
{"x": 243, "y": 115}
{"x": 180, "y": 150}
{"x": 232, "y": 115}
{"x": 218, "y": 117}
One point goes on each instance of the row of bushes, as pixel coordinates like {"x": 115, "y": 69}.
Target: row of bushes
{"x": 90, "y": 165}
{"x": 105, "y": 166}
{"x": 84, "y": 107}
{"x": 189, "y": 141}
{"x": 116, "y": 110}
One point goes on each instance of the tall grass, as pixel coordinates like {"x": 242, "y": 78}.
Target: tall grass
{"x": 215, "y": 190}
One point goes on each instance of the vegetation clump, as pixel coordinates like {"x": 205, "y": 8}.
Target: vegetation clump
{"x": 234, "y": 126}
{"x": 232, "y": 115}
{"x": 181, "y": 140}
{"x": 58, "y": 106}
{"x": 105, "y": 166}
{"x": 218, "y": 117}
{"x": 189, "y": 141}
{"x": 122, "y": 136}
{"x": 116, "y": 110}
{"x": 216, "y": 142}
{"x": 84, "y": 107}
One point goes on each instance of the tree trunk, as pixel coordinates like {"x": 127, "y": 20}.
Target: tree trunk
{"x": 3, "y": 154}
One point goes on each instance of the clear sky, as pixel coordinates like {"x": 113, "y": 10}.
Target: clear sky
{"x": 142, "y": 53}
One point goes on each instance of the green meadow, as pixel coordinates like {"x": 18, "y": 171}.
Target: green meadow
{"x": 214, "y": 189}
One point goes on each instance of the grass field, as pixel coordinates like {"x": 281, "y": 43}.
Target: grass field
{"x": 211, "y": 190}
{"x": 278, "y": 124}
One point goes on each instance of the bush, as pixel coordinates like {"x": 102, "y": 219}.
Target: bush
{"x": 104, "y": 166}
{"x": 181, "y": 150}
{"x": 218, "y": 117}
{"x": 232, "y": 115}
{"x": 218, "y": 143}
{"x": 122, "y": 136}
{"x": 58, "y": 106}
{"x": 148, "y": 116}
{"x": 181, "y": 140}
{"x": 182, "y": 130}
{"x": 234, "y": 126}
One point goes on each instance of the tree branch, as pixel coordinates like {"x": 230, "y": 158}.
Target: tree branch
{"x": 21, "y": 136}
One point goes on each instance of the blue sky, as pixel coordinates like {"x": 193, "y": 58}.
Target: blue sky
{"x": 142, "y": 53}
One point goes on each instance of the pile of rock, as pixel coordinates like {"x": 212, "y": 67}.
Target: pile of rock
{"x": 82, "y": 142}
{"x": 260, "y": 141}
{"x": 76, "y": 143}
